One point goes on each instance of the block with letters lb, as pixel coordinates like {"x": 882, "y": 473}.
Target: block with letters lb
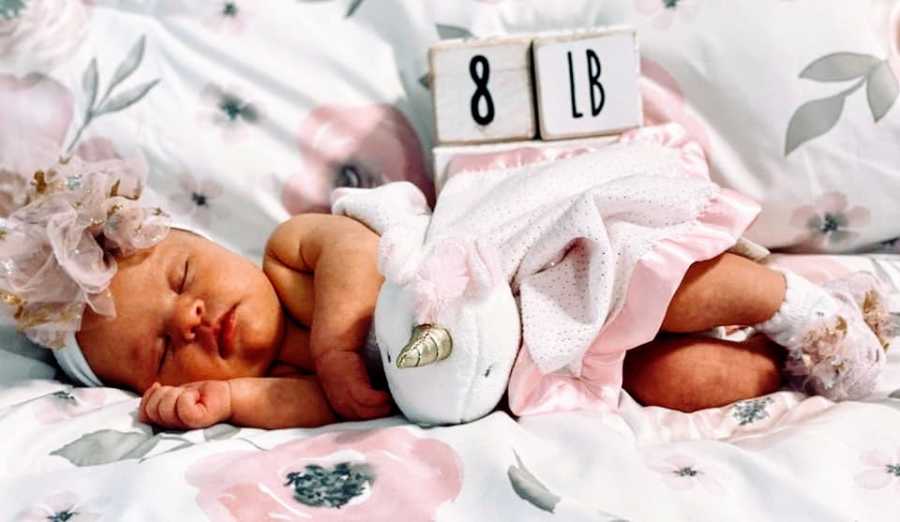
{"x": 587, "y": 83}
{"x": 482, "y": 90}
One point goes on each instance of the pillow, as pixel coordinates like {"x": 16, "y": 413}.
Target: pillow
{"x": 246, "y": 113}
{"x": 794, "y": 101}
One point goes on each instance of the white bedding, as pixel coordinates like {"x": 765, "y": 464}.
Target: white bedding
{"x": 781, "y": 457}
{"x": 259, "y": 115}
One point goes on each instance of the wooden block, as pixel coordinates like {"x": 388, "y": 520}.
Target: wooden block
{"x": 587, "y": 83}
{"x": 449, "y": 160}
{"x": 482, "y": 90}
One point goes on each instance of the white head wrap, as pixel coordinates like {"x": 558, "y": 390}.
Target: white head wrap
{"x": 71, "y": 360}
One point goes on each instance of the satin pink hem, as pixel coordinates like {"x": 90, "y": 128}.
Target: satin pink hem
{"x": 653, "y": 283}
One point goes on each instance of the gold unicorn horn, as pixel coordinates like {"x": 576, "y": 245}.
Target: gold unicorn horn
{"x": 428, "y": 344}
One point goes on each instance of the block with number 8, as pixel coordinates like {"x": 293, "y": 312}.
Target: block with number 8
{"x": 483, "y": 90}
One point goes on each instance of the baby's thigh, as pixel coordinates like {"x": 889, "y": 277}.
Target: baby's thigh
{"x": 690, "y": 373}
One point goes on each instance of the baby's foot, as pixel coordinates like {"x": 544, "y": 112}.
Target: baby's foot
{"x": 833, "y": 345}
{"x": 839, "y": 355}
{"x": 869, "y": 295}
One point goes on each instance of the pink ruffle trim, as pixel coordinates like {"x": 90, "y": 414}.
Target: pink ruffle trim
{"x": 653, "y": 283}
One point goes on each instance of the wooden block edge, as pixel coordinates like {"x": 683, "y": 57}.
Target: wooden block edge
{"x": 481, "y": 41}
{"x": 582, "y": 34}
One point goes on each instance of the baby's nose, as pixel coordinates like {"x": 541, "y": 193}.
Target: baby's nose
{"x": 188, "y": 317}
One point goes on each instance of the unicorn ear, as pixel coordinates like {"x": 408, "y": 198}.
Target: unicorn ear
{"x": 399, "y": 250}
{"x": 485, "y": 267}
{"x": 455, "y": 267}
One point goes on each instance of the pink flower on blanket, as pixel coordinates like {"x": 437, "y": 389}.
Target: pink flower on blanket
{"x": 60, "y": 506}
{"x": 829, "y": 222}
{"x": 65, "y": 404}
{"x": 38, "y": 34}
{"x": 664, "y": 102}
{"x": 682, "y": 472}
{"x": 363, "y": 146}
{"x": 340, "y": 476}
{"x": 664, "y": 11}
{"x": 882, "y": 470}
{"x": 229, "y": 110}
{"x": 196, "y": 199}
{"x": 227, "y": 16}
{"x": 37, "y": 111}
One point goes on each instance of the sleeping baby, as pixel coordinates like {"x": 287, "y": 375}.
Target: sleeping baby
{"x": 125, "y": 298}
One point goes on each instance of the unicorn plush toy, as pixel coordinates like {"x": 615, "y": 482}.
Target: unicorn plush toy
{"x": 446, "y": 322}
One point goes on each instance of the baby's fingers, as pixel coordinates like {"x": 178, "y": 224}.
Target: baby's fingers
{"x": 166, "y": 412}
{"x": 191, "y": 411}
{"x": 204, "y": 405}
{"x": 151, "y": 406}
{"x": 142, "y": 407}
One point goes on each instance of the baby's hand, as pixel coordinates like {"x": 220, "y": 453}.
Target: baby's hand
{"x": 346, "y": 384}
{"x": 194, "y": 405}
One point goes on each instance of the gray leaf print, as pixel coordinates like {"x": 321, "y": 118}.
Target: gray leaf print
{"x": 839, "y": 67}
{"x": 529, "y": 488}
{"x": 89, "y": 81}
{"x": 425, "y": 80}
{"x": 354, "y": 5}
{"x": 105, "y": 446}
{"x": 881, "y": 90}
{"x": 220, "y": 431}
{"x": 812, "y": 120}
{"x": 895, "y": 394}
{"x": 128, "y": 65}
{"x": 126, "y": 99}
{"x": 453, "y": 31}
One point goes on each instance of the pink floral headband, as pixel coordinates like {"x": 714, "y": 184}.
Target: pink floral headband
{"x": 57, "y": 252}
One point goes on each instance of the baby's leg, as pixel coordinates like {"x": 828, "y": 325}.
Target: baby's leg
{"x": 726, "y": 290}
{"x": 830, "y": 331}
{"x": 690, "y": 373}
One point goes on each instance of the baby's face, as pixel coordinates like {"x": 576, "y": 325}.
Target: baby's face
{"x": 186, "y": 310}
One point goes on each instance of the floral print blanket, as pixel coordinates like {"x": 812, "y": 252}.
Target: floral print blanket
{"x": 80, "y": 454}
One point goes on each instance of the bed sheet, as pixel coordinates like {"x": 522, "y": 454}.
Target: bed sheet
{"x": 784, "y": 456}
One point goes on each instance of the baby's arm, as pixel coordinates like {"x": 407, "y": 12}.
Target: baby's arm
{"x": 328, "y": 263}
{"x": 256, "y": 402}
